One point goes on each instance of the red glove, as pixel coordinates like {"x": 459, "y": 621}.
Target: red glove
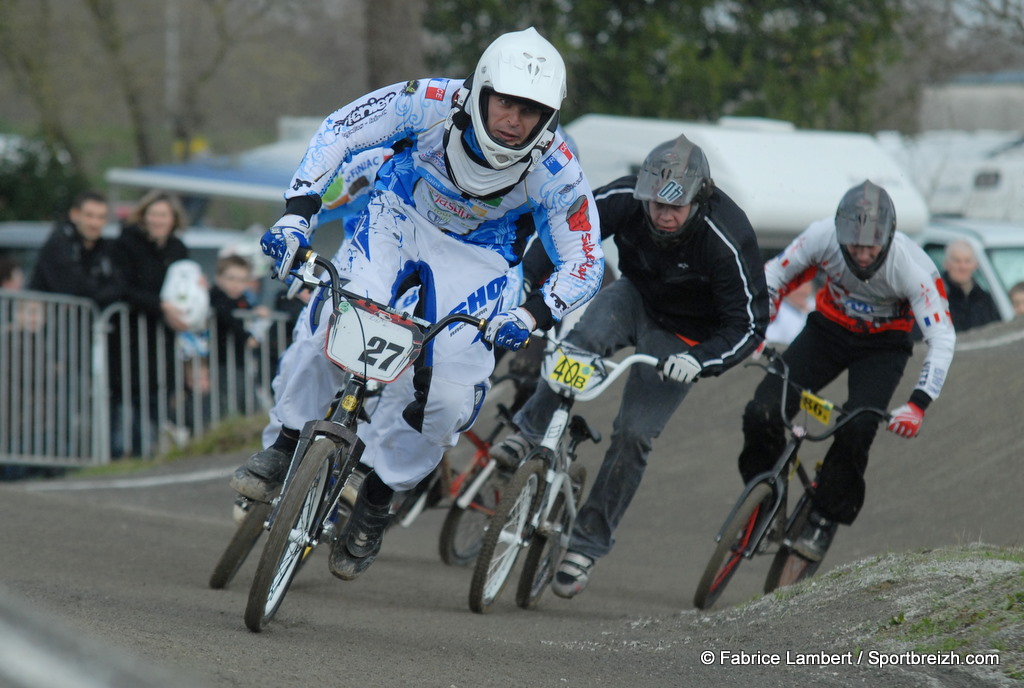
{"x": 906, "y": 420}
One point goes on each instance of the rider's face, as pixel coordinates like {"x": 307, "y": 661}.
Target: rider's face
{"x": 863, "y": 256}
{"x": 668, "y": 218}
{"x": 511, "y": 121}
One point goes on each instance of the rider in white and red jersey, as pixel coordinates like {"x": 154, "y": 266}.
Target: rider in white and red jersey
{"x": 877, "y": 283}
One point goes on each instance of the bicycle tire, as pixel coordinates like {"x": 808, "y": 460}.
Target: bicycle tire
{"x": 463, "y": 530}
{"x": 729, "y": 553}
{"x": 545, "y": 552}
{"x": 247, "y": 534}
{"x": 286, "y": 546}
{"x": 788, "y": 567}
{"x": 504, "y": 537}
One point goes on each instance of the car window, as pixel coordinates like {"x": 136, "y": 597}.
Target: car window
{"x": 937, "y": 252}
{"x": 1008, "y": 263}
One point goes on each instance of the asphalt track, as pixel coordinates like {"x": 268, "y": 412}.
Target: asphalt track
{"x": 107, "y": 578}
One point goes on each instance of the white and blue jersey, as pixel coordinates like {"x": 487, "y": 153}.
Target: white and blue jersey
{"x": 418, "y": 228}
{"x": 409, "y": 118}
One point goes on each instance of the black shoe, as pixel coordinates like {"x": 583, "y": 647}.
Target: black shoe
{"x": 360, "y": 539}
{"x": 262, "y": 473}
{"x": 815, "y": 538}
{"x": 509, "y": 454}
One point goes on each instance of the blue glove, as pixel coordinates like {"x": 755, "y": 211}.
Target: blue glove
{"x": 510, "y": 330}
{"x": 284, "y": 241}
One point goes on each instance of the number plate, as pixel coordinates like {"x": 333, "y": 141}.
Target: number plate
{"x": 368, "y": 341}
{"x": 572, "y": 369}
{"x": 816, "y": 406}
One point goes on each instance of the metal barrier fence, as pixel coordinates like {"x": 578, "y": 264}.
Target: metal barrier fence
{"x": 80, "y": 386}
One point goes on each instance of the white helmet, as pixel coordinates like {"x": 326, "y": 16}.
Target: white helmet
{"x": 524, "y": 66}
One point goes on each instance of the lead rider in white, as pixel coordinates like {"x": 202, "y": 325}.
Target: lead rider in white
{"x": 470, "y": 158}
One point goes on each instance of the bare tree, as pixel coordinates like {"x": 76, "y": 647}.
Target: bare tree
{"x": 394, "y": 49}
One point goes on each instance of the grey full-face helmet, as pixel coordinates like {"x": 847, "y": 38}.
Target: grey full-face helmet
{"x": 865, "y": 217}
{"x": 675, "y": 173}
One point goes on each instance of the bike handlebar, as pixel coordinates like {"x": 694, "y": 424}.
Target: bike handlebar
{"x": 430, "y": 330}
{"x": 775, "y": 358}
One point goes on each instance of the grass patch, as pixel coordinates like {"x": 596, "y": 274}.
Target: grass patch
{"x": 230, "y": 435}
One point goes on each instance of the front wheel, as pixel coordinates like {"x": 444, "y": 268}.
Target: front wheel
{"x": 246, "y": 535}
{"x": 788, "y": 567}
{"x": 505, "y": 536}
{"x": 728, "y": 554}
{"x": 546, "y": 549}
{"x": 291, "y": 535}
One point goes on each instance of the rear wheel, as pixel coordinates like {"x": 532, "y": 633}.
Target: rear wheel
{"x": 463, "y": 531}
{"x": 291, "y": 537}
{"x": 244, "y": 539}
{"x": 504, "y": 537}
{"x": 546, "y": 549}
{"x": 788, "y": 567}
{"x": 729, "y": 553}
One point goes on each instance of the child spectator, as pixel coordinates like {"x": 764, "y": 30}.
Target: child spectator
{"x": 1017, "y": 299}
{"x": 234, "y": 339}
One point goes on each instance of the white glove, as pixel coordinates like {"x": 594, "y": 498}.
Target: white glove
{"x": 681, "y": 368}
{"x": 510, "y": 330}
{"x": 283, "y": 241}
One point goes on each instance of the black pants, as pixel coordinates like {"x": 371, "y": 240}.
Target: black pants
{"x": 818, "y": 355}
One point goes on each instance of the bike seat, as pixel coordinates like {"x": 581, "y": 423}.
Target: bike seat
{"x": 579, "y": 429}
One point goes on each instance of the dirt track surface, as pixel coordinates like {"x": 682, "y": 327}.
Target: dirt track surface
{"x": 123, "y": 564}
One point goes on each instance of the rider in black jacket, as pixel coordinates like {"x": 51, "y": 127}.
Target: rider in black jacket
{"x": 692, "y": 291}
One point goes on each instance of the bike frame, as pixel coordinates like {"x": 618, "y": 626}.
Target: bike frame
{"x": 557, "y": 450}
{"x": 340, "y": 428}
{"x": 777, "y": 478}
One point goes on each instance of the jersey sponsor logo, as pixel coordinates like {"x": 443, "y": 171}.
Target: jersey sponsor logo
{"x": 363, "y": 110}
{"x": 558, "y": 159}
{"x": 579, "y": 217}
{"x": 579, "y": 221}
{"x": 436, "y": 89}
{"x": 476, "y": 303}
{"x": 410, "y": 87}
{"x": 859, "y": 306}
{"x": 569, "y": 187}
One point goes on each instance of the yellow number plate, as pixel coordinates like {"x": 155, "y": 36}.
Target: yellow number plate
{"x": 816, "y": 406}
{"x": 572, "y": 373}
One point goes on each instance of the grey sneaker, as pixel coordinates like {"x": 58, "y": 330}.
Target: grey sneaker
{"x": 511, "y": 451}
{"x": 815, "y": 538}
{"x": 573, "y": 575}
{"x": 360, "y": 539}
{"x": 262, "y": 473}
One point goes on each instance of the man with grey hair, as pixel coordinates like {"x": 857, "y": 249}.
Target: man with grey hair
{"x": 970, "y": 306}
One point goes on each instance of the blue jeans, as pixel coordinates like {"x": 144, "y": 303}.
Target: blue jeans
{"x": 615, "y": 319}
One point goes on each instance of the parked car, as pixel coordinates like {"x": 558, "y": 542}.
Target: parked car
{"x": 998, "y": 245}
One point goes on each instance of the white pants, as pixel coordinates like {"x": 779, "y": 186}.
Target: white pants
{"x": 394, "y": 243}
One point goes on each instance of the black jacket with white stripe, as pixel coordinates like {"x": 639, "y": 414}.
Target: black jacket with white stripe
{"x": 709, "y": 288}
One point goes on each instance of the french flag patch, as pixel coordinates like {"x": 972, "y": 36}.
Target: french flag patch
{"x": 436, "y": 89}
{"x": 932, "y": 319}
{"x": 558, "y": 159}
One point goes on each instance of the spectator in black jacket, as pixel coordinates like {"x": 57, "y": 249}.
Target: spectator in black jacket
{"x": 76, "y": 259}
{"x": 148, "y": 244}
{"x": 969, "y": 305}
{"x": 692, "y": 291}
